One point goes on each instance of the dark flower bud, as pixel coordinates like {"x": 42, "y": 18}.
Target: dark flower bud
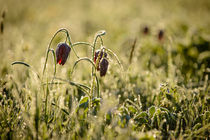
{"x": 2, "y": 26}
{"x": 62, "y": 53}
{"x": 101, "y": 55}
{"x": 3, "y": 13}
{"x": 145, "y": 30}
{"x": 103, "y": 67}
{"x": 160, "y": 34}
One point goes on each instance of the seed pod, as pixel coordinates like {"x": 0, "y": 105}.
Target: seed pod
{"x": 160, "y": 34}
{"x": 103, "y": 67}
{"x": 62, "y": 53}
{"x": 101, "y": 55}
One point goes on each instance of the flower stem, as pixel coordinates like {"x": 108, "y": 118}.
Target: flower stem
{"x": 82, "y": 43}
{"x": 46, "y": 58}
{"x": 98, "y": 35}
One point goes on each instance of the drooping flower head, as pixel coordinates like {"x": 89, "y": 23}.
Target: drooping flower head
{"x": 103, "y": 66}
{"x": 145, "y": 30}
{"x": 160, "y": 34}
{"x": 103, "y": 62}
{"x": 100, "y": 57}
{"x": 62, "y": 53}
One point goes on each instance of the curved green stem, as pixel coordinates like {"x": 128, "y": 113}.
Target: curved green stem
{"x": 93, "y": 65}
{"x": 21, "y": 63}
{"x": 52, "y": 83}
{"x": 53, "y": 53}
{"x": 80, "y": 86}
{"x": 73, "y": 83}
{"x": 98, "y": 87}
{"x": 82, "y": 43}
{"x": 81, "y": 59}
{"x": 102, "y": 43}
{"x": 68, "y": 36}
{"x": 26, "y": 65}
{"x": 118, "y": 60}
{"x": 98, "y": 34}
{"x": 48, "y": 49}
{"x": 46, "y": 58}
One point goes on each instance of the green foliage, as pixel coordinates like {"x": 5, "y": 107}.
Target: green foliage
{"x": 153, "y": 89}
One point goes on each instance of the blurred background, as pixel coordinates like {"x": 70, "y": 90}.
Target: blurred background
{"x": 163, "y": 45}
{"x": 28, "y": 26}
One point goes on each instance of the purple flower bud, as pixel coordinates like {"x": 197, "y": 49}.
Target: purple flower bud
{"x": 2, "y": 27}
{"x": 103, "y": 67}
{"x": 62, "y": 53}
{"x": 101, "y": 55}
{"x": 160, "y": 34}
{"x": 146, "y": 30}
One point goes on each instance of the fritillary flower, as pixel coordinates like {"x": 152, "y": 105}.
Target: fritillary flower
{"x": 145, "y": 30}
{"x": 101, "y": 55}
{"x": 103, "y": 66}
{"x": 62, "y": 53}
{"x": 160, "y": 34}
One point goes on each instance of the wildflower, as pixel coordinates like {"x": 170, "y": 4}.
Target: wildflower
{"x": 62, "y": 53}
{"x": 145, "y": 30}
{"x": 3, "y": 13}
{"x": 103, "y": 62}
{"x": 103, "y": 67}
{"x": 160, "y": 34}
{"x": 2, "y": 26}
{"x": 101, "y": 55}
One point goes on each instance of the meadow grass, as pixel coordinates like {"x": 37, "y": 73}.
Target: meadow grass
{"x": 156, "y": 86}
